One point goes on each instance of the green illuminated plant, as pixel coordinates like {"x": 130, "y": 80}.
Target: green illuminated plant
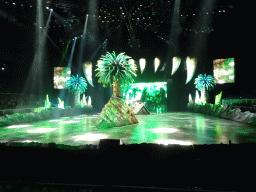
{"x": 78, "y": 86}
{"x": 116, "y": 70}
{"x": 204, "y": 83}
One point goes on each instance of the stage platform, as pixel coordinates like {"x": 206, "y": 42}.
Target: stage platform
{"x": 196, "y": 160}
{"x": 182, "y": 128}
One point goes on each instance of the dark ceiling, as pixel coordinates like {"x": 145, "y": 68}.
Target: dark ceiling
{"x": 130, "y": 23}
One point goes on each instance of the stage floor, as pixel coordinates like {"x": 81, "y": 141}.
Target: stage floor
{"x": 165, "y": 128}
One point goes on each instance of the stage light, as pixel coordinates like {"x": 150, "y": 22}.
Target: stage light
{"x": 18, "y": 126}
{"x": 69, "y": 122}
{"x": 41, "y": 130}
{"x": 90, "y": 137}
{"x": 47, "y": 7}
{"x": 173, "y": 141}
{"x": 54, "y": 120}
{"x": 164, "y": 130}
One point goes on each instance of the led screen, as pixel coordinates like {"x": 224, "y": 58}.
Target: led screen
{"x": 61, "y": 75}
{"x": 153, "y": 95}
{"x": 224, "y": 70}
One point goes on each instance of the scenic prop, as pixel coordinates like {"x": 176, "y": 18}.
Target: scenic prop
{"x": 175, "y": 64}
{"x": 204, "y": 83}
{"x": 47, "y": 103}
{"x": 197, "y": 99}
{"x": 61, "y": 104}
{"x": 76, "y": 85}
{"x": 218, "y": 99}
{"x": 191, "y": 67}
{"x": 116, "y": 70}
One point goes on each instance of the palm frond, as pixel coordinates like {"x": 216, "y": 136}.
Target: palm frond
{"x": 118, "y": 67}
{"x": 204, "y": 82}
{"x": 76, "y": 84}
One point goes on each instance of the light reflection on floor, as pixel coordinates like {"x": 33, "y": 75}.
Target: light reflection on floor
{"x": 166, "y": 128}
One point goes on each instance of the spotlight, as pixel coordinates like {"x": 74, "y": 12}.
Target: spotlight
{"x": 47, "y": 7}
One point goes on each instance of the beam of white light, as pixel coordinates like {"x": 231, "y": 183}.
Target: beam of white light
{"x": 164, "y": 130}
{"x": 90, "y": 137}
{"x": 41, "y": 130}
{"x": 83, "y": 41}
{"x": 173, "y": 141}
{"x": 18, "y": 126}
{"x": 175, "y": 64}
{"x": 72, "y": 53}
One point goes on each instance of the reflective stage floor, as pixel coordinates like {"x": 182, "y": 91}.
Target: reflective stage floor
{"x": 165, "y": 128}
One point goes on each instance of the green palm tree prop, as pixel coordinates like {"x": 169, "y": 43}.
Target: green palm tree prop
{"x": 78, "y": 86}
{"x": 204, "y": 83}
{"x": 116, "y": 70}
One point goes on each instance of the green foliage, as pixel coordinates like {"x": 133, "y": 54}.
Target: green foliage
{"x": 204, "y": 82}
{"x": 76, "y": 84}
{"x": 218, "y": 99}
{"x": 119, "y": 67}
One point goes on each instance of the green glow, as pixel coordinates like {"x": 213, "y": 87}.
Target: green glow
{"x": 153, "y": 95}
{"x": 175, "y": 64}
{"x": 64, "y": 55}
{"x": 191, "y": 67}
{"x": 218, "y": 99}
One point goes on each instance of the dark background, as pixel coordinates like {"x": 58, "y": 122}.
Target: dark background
{"x": 231, "y": 37}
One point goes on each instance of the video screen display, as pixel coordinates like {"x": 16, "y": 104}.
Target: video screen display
{"x": 224, "y": 70}
{"x": 153, "y": 95}
{"x": 61, "y": 75}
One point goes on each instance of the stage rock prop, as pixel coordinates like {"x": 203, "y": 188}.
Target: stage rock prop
{"x": 139, "y": 108}
{"x": 116, "y": 113}
{"x": 225, "y": 112}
